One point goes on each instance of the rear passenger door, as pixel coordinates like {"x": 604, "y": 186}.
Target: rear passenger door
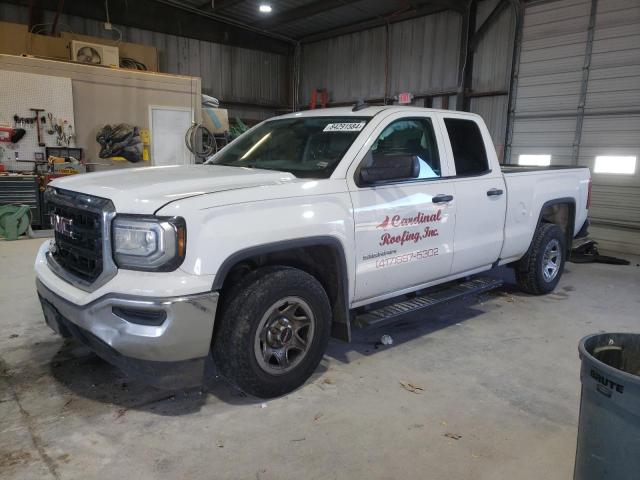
{"x": 403, "y": 228}
{"x": 479, "y": 191}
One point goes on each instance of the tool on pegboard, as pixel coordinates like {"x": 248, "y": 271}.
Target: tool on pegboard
{"x": 50, "y": 129}
{"x": 22, "y": 121}
{"x": 64, "y": 132}
{"x": 37, "y": 118}
{"x": 11, "y": 135}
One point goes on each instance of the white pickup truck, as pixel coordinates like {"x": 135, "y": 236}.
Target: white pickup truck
{"x": 307, "y": 225}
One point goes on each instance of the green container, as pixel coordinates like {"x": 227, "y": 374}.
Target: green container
{"x": 14, "y": 221}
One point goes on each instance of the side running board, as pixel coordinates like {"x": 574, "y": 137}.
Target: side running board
{"x": 392, "y": 312}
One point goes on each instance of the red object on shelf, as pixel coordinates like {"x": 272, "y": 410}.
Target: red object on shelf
{"x": 5, "y": 134}
{"x": 324, "y": 98}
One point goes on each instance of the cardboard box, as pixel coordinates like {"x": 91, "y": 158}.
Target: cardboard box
{"x": 48, "y": 47}
{"x": 15, "y": 39}
{"x": 215, "y": 119}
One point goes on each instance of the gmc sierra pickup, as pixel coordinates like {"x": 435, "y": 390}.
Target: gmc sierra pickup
{"x": 307, "y": 225}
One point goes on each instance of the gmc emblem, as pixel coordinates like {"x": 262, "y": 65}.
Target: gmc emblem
{"x": 63, "y": 226}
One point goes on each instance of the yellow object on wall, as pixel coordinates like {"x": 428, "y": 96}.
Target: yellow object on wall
{"x": 145, "y": 135}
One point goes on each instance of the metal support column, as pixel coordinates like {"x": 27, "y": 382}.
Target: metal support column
{"x": 518, "y": 11}
{"x": 586, "y": 68}
{"x": 465, "y": 71}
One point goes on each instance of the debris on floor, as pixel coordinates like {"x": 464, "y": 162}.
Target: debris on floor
{"x": 454, "y": 436}
{"x": 10, "y": 459}
{"x": 411, "y": 387}
{"x": 506, "y": 295}
{"x": 386, "y": 340}
{"x": 558, "y": 295}
{"x": 586, "y": 251}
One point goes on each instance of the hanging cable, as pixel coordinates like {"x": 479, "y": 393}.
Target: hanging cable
{"x": 198, "y": 134}
{"x": 198, "y": 139}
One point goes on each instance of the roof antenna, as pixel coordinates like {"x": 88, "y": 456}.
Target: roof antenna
{"x": 360, "y": 104}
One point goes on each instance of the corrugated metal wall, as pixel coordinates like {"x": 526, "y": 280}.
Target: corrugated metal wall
{"x": 423, "y": 59}
{"x": 424, "y": 56}
{"x": 548, "y": 117}
{"x": 492, "y": 70}
{"x": 349, "y": 67}
{"x": 612, "y": 110}
{"x": 229, "y": 73}
{"x": 550, "y": 77}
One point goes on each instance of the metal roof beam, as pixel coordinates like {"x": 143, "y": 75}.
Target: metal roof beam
{"x": 171, "y": 18}
{"x": 486, "y": 25}
{"x": 422, "y": 11}
{"x": 458, "y": 5}
{"x": 305, "y": 11}
{"x": 219, "y": 5}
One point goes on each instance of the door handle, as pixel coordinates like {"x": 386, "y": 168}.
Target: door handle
{"x": 494, "y": 192}
{"x": 442, "y": 198}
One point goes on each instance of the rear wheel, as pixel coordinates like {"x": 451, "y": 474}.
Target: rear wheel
{"x": 539, "y": 271}
{"x": 273, "y": 331}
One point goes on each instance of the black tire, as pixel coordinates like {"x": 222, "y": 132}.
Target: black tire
{"x": 242, "y": 313}
{"x": 530, "y": 270}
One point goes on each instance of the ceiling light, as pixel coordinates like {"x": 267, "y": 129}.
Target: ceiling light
{"x": 264, "y": 8}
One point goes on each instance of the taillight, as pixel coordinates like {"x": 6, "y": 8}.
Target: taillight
{"x": 589, "y": 195}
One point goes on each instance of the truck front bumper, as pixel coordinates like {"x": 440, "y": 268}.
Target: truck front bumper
{"x": 164, "y": 342}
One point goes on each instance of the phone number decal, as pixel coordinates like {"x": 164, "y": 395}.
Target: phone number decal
{"x": 407, "y": 257}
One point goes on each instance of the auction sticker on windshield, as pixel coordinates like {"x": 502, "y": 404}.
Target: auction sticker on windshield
{"x": 344, "y": 127}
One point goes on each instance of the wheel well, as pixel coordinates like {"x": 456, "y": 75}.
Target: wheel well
{"x": 561, "y": 213}
{"x": 325, "y": 262}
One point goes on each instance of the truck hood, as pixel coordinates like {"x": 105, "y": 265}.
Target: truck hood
{"x": 144, "y": 190}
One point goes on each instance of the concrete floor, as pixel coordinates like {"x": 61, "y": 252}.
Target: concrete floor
{"x": 500, "y": 371}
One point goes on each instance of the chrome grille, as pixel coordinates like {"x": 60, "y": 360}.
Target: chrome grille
{"x": 80, "y": 252}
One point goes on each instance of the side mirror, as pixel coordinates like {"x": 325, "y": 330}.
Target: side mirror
{"x": 385, "y": 168}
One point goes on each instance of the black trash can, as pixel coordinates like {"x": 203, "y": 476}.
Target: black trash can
{"x": 609, "y": 427}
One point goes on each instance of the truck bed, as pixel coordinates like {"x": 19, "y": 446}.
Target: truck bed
{"x": 529, "y": 190}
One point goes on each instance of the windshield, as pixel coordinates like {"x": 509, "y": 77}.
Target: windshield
{"x": 308, "y": 147}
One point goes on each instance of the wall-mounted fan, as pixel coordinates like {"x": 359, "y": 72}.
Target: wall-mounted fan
{"x": 88, "y": 55}
{"x": 94, "y": 54}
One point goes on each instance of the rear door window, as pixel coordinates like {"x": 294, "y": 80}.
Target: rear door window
{"x": 469, "y": 154}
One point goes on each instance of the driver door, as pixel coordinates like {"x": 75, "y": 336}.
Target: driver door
{"x": 403, "y": 227}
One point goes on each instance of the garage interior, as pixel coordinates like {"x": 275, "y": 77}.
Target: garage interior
{"x": 487, "y": 387}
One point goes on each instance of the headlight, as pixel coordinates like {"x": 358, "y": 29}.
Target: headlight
{"x": 148, "y": 243}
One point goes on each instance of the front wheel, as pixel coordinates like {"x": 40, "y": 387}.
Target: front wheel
{"x": 539, "y": 271}
{"x": 273, "y": 331}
